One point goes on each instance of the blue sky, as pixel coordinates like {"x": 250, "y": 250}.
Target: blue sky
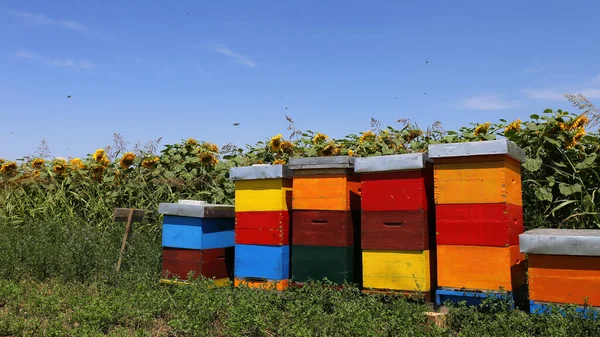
{"x": 179, "y": 69}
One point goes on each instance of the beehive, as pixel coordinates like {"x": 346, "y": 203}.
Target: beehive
{"x": 479, "y": 215}
{"x": 564, "y": 267}
{"x": 398, "y": 248}
{"x": 326, "y": 220}
{"x": 197, "y": 238}
{"x": 263, "y": 197}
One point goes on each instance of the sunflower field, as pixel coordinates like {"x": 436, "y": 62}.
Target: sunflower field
{"x": 59, "y": 244}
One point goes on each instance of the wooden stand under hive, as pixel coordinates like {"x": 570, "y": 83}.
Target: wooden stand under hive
{"x": 263, "y": 196}
{"x": 197, "y": 238}
{"x": 564, "y": 268}
{"x": 397, "y": 238}
{"x": 326, "y": 220}
{"x": 479, "y": 215}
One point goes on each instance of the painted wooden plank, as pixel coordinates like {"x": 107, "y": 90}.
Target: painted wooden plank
{"x": 564, "y": 279}
{"x": 326, "y": 192}
{"x": 337, "y": 264}
{"x": 217, "y": 283}
{"x": 122, "y": 214}
{"x": 325, "y": 228}
{"x": 210, "y": 263}
{"x": 397, "y": 191}
{"x": 395, "y": 230}
{"x": 478, "y": 182}
{"x": 263, "y": 195}
{"x": 197, "y": 233}
{"x": 541, "y": 308}
{"x": 398, "y": 270}
{"x": 263, "y": 228}
{"x": 268, "y": 262}
{"x": 474, "y": 298}
{"x": 496, "y": 225}
{"x": 481, "y": 268}
{"x": 261, "y": 284}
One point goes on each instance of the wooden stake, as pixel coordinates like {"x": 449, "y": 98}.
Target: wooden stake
{"x": 125, "y": 237}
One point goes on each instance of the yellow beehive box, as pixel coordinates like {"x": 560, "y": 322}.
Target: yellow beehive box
{"x": 397, "y": 270}
{"x": 261, "y": 188}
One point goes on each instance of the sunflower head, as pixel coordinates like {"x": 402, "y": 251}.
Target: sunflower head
{"x": 351, "y": 153}
{"x": 191, "y": 142}
{"x": 279, "y": 162}
{"x": 59, "y": 166}
{"x": 580, "y": 122}
{"x": 513, "y": 127}
{"x": 127, "y": 160}
{"x": 99, "y": 155}
{"x": 36, "y": 173}
{"x": 208, "y": 158}
{"x": 210, "y": 147}
{"x": 319, "y": 138}
{"x": 482, "y": 129}
{"x": 37, "y": 163}
{"x": 276, "y": 142}
{"x": 413, "y": 134}
{"x": 8, "y": 168}
{"x": 331, "y": 149}
{"x": 77, "y": 164}
{"x": 287, "y": 147}
{"x": 369, "y": 135}
{"x": 149, "y": 163}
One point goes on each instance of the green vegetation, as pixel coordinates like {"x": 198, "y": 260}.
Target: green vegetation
{"x": 59, "y": 246}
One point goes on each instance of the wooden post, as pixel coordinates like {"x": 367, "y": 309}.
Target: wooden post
{"x": 132, "y": 216}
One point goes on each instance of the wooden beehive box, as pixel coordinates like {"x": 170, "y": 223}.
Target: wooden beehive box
{"x": 564, "y": 266}
{"x": 263, "y": 197}
{"x": 197, "y": 238}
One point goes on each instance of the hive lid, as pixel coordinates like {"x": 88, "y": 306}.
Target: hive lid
{"x": 190, "y": 209}
{"x": 546, "y": 241}
{"x": 335, "y": 162}
{"x": 396, "y": 162}
{"x": 490, "y": 147}
{"x": 265, "y": 171}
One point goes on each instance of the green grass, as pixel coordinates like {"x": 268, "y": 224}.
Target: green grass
{"x": 57, "y": 278}
{"x": 142, "y": 307}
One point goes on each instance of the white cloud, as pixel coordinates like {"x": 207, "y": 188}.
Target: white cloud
{"x": 487, "y": 102}
{"x": 44, "y": 20}
{"x": 241, "y": 59}
{"x": 546, "y": 94}
{"x": 589, "y": 88}
{"x": 57, "y": 62}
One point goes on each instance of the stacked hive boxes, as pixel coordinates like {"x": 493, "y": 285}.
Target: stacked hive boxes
{"x": 564, "y": 267}
{"x": 479, "y": 217}
{"x": 398, "y": 248}
{"x": 198, "y": 238}
{"x": 326, "y": 220}
{"x": 263, "y": 195}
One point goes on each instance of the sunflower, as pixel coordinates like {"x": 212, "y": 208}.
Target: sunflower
{"x": 191, "y": 142}
{"x": 330, "y": 150}
{"x": 351, "y": 153}
{"x": 276, "y": 142}
{"x": 8, "y": 168}
{"x": 319, "y": 137}
{"x": 37, "y": 163}
{"x": 76, "y": 163}
{"x": 36, "y": 173}
{"x": 99, "y": 155}
{"x": 127, "y": 160}
{"x": 211, "y": 147}
{"x": 150, "y": 162}
{"x": 208, "y": 158}
{"x": 287, "y": 147}
{"x": 514, "y": 126}
{"x": 59, "y": 166}
{"x": 580, "y": 121}
{"x": 279, "y": 162}
{"x": 367, "y": 136}
{"x": 576, "y": 138}
{"x": 563, "y": 126}
{"x": 482, "y": 129}
{"x": 413, "y": 134}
